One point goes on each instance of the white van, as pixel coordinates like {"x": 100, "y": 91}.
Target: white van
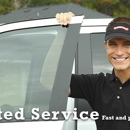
{"x": 37, "y": 59}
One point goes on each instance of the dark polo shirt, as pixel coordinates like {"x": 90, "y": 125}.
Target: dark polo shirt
{"x": 106, "y": 95}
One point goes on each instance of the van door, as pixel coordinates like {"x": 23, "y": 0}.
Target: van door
{"x": 91, "y": 58}
{"x": 36, "y": 60}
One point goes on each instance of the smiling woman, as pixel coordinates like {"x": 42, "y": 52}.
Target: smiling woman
{"x": 118, "y": 52}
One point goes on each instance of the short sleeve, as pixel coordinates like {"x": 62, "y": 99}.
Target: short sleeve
{"x": 84, "y": 86}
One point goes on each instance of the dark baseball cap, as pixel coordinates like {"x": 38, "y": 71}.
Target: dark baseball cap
{"x": 118, "y": 30}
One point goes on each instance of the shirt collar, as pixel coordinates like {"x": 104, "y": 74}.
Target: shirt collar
{"x": 112, "y": 76}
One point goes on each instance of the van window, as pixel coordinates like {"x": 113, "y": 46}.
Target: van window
{"x": 28, "y": 65}
{"x": 99, "y": 57}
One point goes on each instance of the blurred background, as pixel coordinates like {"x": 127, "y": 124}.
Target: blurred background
{"x": 112, "y": 8}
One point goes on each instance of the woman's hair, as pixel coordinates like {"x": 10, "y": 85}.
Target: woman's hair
{"x": 122, "y": 19}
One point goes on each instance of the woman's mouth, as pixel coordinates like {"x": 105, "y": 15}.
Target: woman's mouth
{"x": 121, "y": 59}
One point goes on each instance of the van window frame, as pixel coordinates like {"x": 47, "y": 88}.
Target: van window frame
{"x": 59, "y": 95}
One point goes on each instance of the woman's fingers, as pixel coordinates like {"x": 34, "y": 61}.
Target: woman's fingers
{"x": 64, "y": 18}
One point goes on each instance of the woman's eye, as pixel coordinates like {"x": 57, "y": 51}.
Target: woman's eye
{"x": 127, "y": 44}
{"x": 112, "y": 44}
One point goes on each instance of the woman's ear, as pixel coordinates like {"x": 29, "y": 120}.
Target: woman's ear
{"x": 105, "y": 44}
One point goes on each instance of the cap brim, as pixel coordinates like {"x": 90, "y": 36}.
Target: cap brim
{"x": 117, "y": 35}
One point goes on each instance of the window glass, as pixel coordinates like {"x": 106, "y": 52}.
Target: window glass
{"x": 99, "y": 57}
{"x": 28, "y": 64}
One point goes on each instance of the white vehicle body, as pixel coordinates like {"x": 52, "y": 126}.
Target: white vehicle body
{"x": 88, "y": 27}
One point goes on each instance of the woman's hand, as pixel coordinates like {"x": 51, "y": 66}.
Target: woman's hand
{"x": 64, "y": 18}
